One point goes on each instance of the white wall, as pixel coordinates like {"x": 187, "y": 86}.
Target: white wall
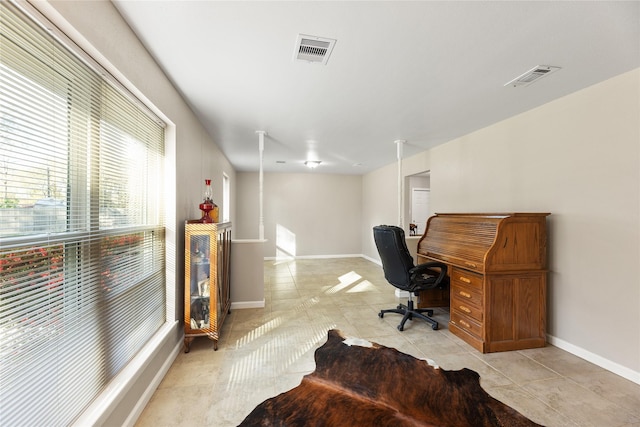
{"x": 380, "y": 198}
{"x": 578, "y": 158}
{"x": 379, "y": 205}
{"x": 320, "y": 213}
{"x": 247, "y": 274}
{"x": 99, "y": 29}
{"x": 248, "y": 216}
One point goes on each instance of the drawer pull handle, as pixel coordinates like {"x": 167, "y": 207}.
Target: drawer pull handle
{"x": 465, "y": 294}
{"x": 470, "y": 264}
{"x": 465, "y": 309}
{"x": 465, "y": 324}
{"x": 464, "y": 279}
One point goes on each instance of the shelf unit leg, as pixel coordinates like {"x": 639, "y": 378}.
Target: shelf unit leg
{"x": 187, "y": 344}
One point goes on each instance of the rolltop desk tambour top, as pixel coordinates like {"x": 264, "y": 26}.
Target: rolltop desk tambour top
{"x": 497, "y": 265}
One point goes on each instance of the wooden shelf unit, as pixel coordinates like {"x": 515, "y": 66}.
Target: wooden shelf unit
{"x": 207, "y": 287}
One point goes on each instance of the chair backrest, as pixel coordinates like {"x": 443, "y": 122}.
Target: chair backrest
{"x": 394, "y": 254}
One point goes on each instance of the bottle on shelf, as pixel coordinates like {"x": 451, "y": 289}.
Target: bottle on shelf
{"x": 208, "y": 208}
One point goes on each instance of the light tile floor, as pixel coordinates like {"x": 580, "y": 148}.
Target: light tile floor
{"x": 264, "y": 352}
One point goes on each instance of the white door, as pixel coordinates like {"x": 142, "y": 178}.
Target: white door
{"x": 419, "y": 208}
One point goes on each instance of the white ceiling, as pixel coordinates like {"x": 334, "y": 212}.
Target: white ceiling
{"x": 421, "y": 71}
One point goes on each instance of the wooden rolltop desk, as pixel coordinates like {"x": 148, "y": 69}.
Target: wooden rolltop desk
{"x": 498, "y": 276}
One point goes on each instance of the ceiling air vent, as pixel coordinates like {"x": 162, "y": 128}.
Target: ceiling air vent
{"x": 532, "y": 75}
{"x": 313, "y": 49}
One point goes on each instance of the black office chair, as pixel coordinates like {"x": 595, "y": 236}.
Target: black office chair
{"x": 400, "y": 271}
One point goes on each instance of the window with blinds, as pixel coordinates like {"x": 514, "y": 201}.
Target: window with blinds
{"x": 82, "y": 253}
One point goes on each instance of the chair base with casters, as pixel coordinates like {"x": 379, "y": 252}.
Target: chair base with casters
{"x": 409, "y": 312}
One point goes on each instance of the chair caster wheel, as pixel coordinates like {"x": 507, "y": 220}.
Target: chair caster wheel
{"x": 381, "y": 315}
{"x": 434, "y": 327}
{"x": 400, "y": 328}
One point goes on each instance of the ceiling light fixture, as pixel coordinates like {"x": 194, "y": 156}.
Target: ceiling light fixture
{"x": 312, "y": 164}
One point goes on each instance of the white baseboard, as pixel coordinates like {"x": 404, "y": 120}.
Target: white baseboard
{"x": 368, "y": 258}
{"x": 373, "y": 260}
{"x": 153, "y": 386}
{"x": 607, "y": 364}
{"x": 104, "y": 404}
{"x": 239, "y": 305}
{"x": 272, "y": 258}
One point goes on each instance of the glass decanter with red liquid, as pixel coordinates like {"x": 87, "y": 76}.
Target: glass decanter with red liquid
{"x": 208, "y": 208}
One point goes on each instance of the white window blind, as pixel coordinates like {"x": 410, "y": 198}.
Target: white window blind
{"x": 82, "y": 284}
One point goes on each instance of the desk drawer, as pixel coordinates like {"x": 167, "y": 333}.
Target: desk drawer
{"x": 464, "y": 307}
{"x": 466, "y": 323}
{"x": 467, "y": 279}
{"x": 466, "y": 294}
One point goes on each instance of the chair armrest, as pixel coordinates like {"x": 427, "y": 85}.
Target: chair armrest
{"x": 428, "y": 268}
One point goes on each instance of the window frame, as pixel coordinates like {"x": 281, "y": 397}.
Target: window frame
{"x": 79, "y": 229}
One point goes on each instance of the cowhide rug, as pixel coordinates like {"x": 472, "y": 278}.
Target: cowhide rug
{"x": 357, "y": 383}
